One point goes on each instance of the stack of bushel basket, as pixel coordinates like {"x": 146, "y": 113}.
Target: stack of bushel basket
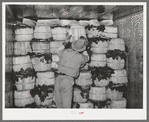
{"x": 24, "y": 74}
{"x": 102, "y": 83}
{"x": 97, "y": 49}
{"x": 83, "y": 82}
{"x": 8, "y": 67}
{"x": 108, "y": 57}
{"x": 34, "y": 61}
{"x": 42, "y": 62}
{"x": 116, "y": 57}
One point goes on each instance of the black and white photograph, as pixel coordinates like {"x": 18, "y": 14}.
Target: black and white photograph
{"x": 74, "y": 60}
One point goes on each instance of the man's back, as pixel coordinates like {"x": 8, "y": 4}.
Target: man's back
{"x": 70, "y": 62}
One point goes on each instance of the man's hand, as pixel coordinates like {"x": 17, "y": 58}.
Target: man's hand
{"x": 85, "y": 53}
{"x": 60, "y": 49}
{"x": 68, "y": 36}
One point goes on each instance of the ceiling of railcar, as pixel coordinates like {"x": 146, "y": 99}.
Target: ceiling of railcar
{"x": 77, "y": 12}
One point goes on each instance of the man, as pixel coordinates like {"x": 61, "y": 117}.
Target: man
{"x": 68, "y": 68}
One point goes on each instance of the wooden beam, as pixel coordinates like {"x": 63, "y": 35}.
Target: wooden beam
{"x": 125, "y": 11}
{"x": 109, "y": 11}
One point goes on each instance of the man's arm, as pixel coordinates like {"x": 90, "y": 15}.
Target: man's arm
{"x": 60, "y": 50}
{"x": 85, "y": 58}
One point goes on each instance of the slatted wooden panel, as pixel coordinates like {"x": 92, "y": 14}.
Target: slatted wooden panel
{"x": 131, "y": 30}
{"x": 9, "y": 38}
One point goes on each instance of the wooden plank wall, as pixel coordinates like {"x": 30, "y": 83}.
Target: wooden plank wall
{"x": 9, "y": 38}
{"x": 130, "y": 27}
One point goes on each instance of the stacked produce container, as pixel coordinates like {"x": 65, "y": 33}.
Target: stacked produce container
{"x": 116, "y": 57}
{"x": 107, "y": 63}
{"x": 101, "y": 81}
{"x": 97, "y": 49}
{"x": 84, "y": 81}
{"x": 23, "y": 72}
{"x": 41, "y": 59}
